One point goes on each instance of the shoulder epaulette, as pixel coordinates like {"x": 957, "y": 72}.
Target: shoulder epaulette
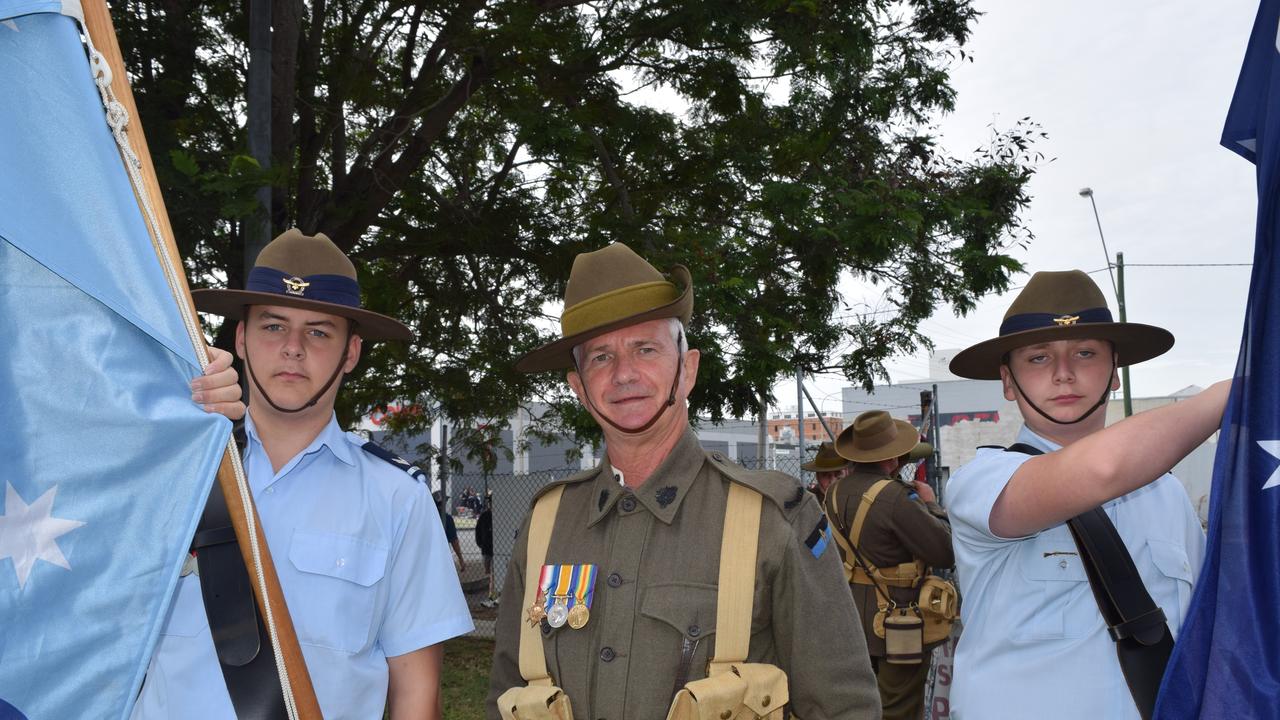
{"x": 577, "y": 477}
{"x": 382, "y": 453}
{"x": 781, "y": 489}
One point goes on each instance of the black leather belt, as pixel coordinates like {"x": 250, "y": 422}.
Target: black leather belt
{"x": 237, "y": 629}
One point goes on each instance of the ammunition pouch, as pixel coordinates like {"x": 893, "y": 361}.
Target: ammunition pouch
{"x": 535, "y": 702}
{"x": 745, "y": 691}
{"x": 936, "y": 607}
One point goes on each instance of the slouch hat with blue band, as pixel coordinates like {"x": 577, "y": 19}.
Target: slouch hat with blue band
{"x": 1060, "y": 306}
{"x": 307, "y": 272}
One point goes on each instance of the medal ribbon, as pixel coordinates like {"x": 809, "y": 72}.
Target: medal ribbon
{"x": 545, "y": 580}
{"x": 584, "y": 589}
{"x": 561, "y": 579}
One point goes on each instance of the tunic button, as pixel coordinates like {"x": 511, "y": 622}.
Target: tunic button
{"x": 627, "y": 504}
{"x": 726, "y": 715}
{"x": 607, "y": 654}
{"x": 694, "y": 631}
{"x": 546, "y": 627}
{"x": 614, "y": 580}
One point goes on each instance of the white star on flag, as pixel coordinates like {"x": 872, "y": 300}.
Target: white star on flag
{"x": 1273, "y": 447}
{"x": 30, "y": 532}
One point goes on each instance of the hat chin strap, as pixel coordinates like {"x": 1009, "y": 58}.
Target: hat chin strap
{"x": 671, "y": 398}
{"x": 1101, "y": 400}
{"x": 346, "y": 345}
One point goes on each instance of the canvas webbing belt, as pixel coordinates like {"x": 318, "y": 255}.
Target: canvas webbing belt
{"x": 733, "y": 599}
{"x": 857, "y": 568}
{"x": 1136, "y": 624}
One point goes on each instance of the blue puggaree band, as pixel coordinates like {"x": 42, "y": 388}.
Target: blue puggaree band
{"x": 336, "y": 289}
{"x": 1034, "y": 321}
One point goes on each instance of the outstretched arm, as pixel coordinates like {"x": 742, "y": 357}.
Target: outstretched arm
{"x": 1049, "y": 489}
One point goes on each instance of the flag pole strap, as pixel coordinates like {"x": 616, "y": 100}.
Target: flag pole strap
{"x": 122, "y": 116}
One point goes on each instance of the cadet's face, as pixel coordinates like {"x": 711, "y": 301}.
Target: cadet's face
{"x": 1064, "y": 378}
{"x": 628, "y": 373}
{"x": 294, "y": 352}
{"x": 826, "y": 478}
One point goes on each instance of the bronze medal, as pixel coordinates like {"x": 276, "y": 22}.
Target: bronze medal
{"x": 578, "y": 616}
{"x": 536, "y": 611}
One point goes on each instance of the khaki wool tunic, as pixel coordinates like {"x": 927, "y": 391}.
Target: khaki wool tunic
{"x": 898, "y": 529}
{"x": 657, "y": 552}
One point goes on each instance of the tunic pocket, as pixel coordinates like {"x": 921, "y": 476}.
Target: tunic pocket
{"x": 686, "y": 614}
{"x": 333, "y": 597}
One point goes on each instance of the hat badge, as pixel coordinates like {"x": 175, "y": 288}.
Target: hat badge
{"x": 1067, "y": 320}
{"x": 295, "y": 285}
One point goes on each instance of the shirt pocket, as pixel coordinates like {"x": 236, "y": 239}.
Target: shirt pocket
{"x": 1172, "y": 587}
{"x": 1059, "y": 602}
{"x": 333, "y": 597}
{"x": 685, "y": 615}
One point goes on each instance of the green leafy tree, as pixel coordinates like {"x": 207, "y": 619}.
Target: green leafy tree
{"x": 463, "y": 152}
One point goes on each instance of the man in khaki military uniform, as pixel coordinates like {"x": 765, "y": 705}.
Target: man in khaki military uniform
{"x": 649, "y": 519}
{"x": 827, "y": 466}
{"x": 902, "y": 525}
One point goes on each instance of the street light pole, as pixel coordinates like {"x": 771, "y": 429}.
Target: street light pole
{"x": 1118, "y": 288}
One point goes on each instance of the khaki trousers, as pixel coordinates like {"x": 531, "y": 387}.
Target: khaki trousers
{"x": 901, "y": 688}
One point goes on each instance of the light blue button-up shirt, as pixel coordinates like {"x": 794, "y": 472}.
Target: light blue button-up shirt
{"x": 365, "y": 570}
{"x": 1034, "y": 643}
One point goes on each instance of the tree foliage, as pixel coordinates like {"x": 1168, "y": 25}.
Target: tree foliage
{"x": 463, "y": 152}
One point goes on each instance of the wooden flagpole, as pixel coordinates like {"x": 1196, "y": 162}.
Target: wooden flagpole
{"x": 97, "y": 19}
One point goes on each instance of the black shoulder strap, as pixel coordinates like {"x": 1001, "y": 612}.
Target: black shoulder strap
{"x": 382, "y": 453}
{"x": 234, "y": 622}
{"x": 1137, "y": 625}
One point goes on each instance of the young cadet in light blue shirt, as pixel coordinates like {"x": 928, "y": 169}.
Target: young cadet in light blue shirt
{"x": 1034, "y": 641}
{"x": 357, "y": 544}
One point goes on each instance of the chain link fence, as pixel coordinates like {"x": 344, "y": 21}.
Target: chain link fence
{"x": 510, "y": 497}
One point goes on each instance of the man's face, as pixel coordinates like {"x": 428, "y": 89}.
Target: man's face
{"x": 628, "y": 373}
{"x": 825, "y": 478}
{"x": 294, "y": 352}
{"x": 1063, "y": 378}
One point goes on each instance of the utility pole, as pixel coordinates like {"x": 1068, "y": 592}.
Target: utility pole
{"x": 1124, "y": 371}
{"x": 800, "y": 413}
{"x": 258, "y": 125}
{"x": 763, "y": 421}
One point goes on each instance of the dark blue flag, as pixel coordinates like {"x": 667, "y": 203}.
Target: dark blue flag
{"x": 1226, "y": 663}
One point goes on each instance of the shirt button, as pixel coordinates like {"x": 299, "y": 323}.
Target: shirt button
{"x": 607, "y": 654}
{"x": 627, "y": 503}
{"x": 614, "y": 580}
{"x": 271, "y": 490}
{"x": 341, "y": 562}
{"x": 1062, "y": 564}
{"x": 694, "y": 631}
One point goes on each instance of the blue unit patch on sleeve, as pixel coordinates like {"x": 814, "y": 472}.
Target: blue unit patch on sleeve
{"x": 818, "y": 539}
{"x": 382, "y": 453}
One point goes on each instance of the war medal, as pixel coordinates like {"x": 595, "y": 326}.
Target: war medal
{"x": 558, "y": 613}
{"x": 537, "y": 611}
{"x": 583, "y": 590}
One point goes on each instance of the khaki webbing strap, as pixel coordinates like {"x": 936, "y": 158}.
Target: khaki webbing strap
{"x": 533, "y": 662}
{"x": 868, "y": 497}
{"x": 737, "y": 577}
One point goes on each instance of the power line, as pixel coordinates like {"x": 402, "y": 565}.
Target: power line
{"x": 1129, "y": 265}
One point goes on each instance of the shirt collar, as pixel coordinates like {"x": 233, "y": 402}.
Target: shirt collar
{"x": 331, "y": 438}
{"x": 662, "y": 493}
{"x": 1026, "y": 435}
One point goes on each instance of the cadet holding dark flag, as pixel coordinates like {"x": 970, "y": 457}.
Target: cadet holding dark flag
{"x": 890, "y": 534}
{"x": 666, "y": 570}
{"x": 1075, "y": 548}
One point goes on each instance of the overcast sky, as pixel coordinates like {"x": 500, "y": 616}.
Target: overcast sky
{"x": 1133, "y": 96}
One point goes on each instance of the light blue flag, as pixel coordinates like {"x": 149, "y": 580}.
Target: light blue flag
{"x": 104, "y": 460}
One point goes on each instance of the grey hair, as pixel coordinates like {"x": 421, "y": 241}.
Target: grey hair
{"x": 678, "y": 337}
